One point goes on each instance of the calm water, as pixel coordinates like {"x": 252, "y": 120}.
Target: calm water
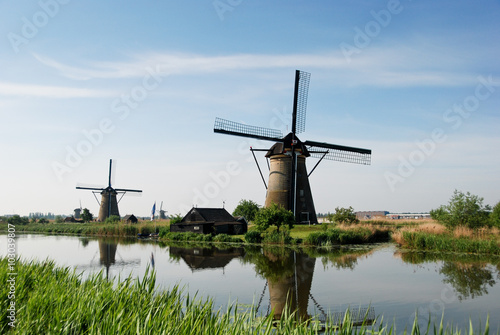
{"x": 394, "y": 283}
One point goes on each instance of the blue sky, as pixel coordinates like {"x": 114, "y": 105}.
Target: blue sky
{"x": 418, "y": 82}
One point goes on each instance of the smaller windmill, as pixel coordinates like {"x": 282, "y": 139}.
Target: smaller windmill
{"x": 162, "y": 212}
{"x": 109, "y": 203}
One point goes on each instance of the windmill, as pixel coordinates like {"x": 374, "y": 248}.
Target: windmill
{"x": 109, "y": 204}
{"x": 162, "y": 212}
{"x": 288, "y": 183}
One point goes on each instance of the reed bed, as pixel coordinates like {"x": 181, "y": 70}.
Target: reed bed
{"x": 343, "y": 235}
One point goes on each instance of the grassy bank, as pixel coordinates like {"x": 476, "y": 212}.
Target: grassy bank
{"x": 52, "y": 300}
{"x": 435, "y": 237}
{"x": 423, "y": 235}
{"x": 92, "y": 228}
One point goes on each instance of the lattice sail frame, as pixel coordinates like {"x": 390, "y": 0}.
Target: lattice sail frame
{"x": 340, "y": 155}
{"x": 240, "y": 129}
{"x": 302, "y": 93}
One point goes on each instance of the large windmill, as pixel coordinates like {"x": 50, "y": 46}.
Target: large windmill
{"x": 288, "y": 183}
{"x": 109, "y": 204}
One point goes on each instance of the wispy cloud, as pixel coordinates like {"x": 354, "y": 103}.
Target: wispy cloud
{"x": 397, "y": 66}
{"x": 45, "y": 91}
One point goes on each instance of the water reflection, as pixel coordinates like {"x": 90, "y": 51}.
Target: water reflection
{"x": 469, "y": 275}
{"x": 202, "y": 258}
{"x": 288, "y": 275}
{"x": 107, "y": 250}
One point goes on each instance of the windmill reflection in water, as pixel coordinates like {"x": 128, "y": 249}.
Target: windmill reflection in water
{"x": 288, "y": 278}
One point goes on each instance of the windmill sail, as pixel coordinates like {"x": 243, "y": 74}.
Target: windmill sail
{"x": 240, "y": 129}
{"x": 339, "y": 153}
{"x": 300, "y": 101}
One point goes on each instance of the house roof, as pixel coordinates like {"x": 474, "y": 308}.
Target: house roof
{"x": 129, "y": 217}
{"x": 209, "y": 215}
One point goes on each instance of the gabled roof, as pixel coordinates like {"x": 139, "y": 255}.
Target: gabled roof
{"x": 208, "y": 215}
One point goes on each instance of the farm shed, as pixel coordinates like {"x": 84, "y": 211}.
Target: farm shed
{"x": 210, "y": 221}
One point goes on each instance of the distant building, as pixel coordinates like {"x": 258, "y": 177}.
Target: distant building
{"x": 210, "y": 221}
{"x": 408, "y": 216}
{"x": 371, "y": 215}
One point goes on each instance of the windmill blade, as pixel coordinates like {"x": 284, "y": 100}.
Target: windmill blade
{"x": 90, "y": 188}
{"x": 300, "y": 101}
{"x": 239, "y": 129}
{"x": 109, "y": 179}
{"x": 339, "y": 153}
{"x": 127, "y": 190}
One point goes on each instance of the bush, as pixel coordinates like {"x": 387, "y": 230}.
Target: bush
{"x": 463, "y": 209}
{"x": 253, "y": 236}
{"x": 343, "y": 215}
{"x": 225, "y": 238}
{"x": 495, "y": 216}
{"x": 18, "y": 221}
{"x": 274, "y": 215}
{"x": 246, "y": 208}
{"x": 112, "y": 219}
{"x": 276, "y": 237}
{"x": 175, "y": 218}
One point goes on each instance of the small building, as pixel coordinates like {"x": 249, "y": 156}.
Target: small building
{"x": 210, "y": 221}
{"x": 130, "y": 218}
{"x": 371, "y": 215}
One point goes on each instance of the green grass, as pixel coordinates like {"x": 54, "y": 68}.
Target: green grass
{"x": 443, "y": 242}
{"x": 92, "y": 228}
{"x": 53, "y": 300}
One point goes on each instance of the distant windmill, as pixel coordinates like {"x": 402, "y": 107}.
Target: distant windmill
{"x": 288, "y": 183}
{"x": 109, "y": 204}
{"x": 162, "y": 212}
{"x": 78, "y": 211}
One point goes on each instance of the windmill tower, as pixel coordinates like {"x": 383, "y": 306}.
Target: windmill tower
{"x": 288, "y": 183}
{"x": 109, "y": 203}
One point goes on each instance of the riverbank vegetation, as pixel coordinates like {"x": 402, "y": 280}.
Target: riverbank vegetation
{"x": 53, "y": 300}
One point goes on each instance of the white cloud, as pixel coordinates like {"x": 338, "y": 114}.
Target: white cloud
{"x": 397, "y": 66}
{"x": 46, "y": 91}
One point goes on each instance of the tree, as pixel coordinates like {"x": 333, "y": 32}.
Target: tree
{"x": 175, "y": 218}
{"x": 463, "y": 209}
{"x": 86, "y": 215}
{"x": 17, "y": 220}
{"x": 495, "y": 216}
{"x": 247, "y": 209}
{"x": 274, "y": 215}
{"x": 343, "y": 215}
{"x": 59, "y": 219}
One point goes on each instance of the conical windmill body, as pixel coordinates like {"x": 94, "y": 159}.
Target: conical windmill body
{"x": 288, "y": 183}
{"x": 109, "y": 201}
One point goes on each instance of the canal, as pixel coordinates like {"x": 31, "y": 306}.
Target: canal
{"x": 379, "y": 279}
